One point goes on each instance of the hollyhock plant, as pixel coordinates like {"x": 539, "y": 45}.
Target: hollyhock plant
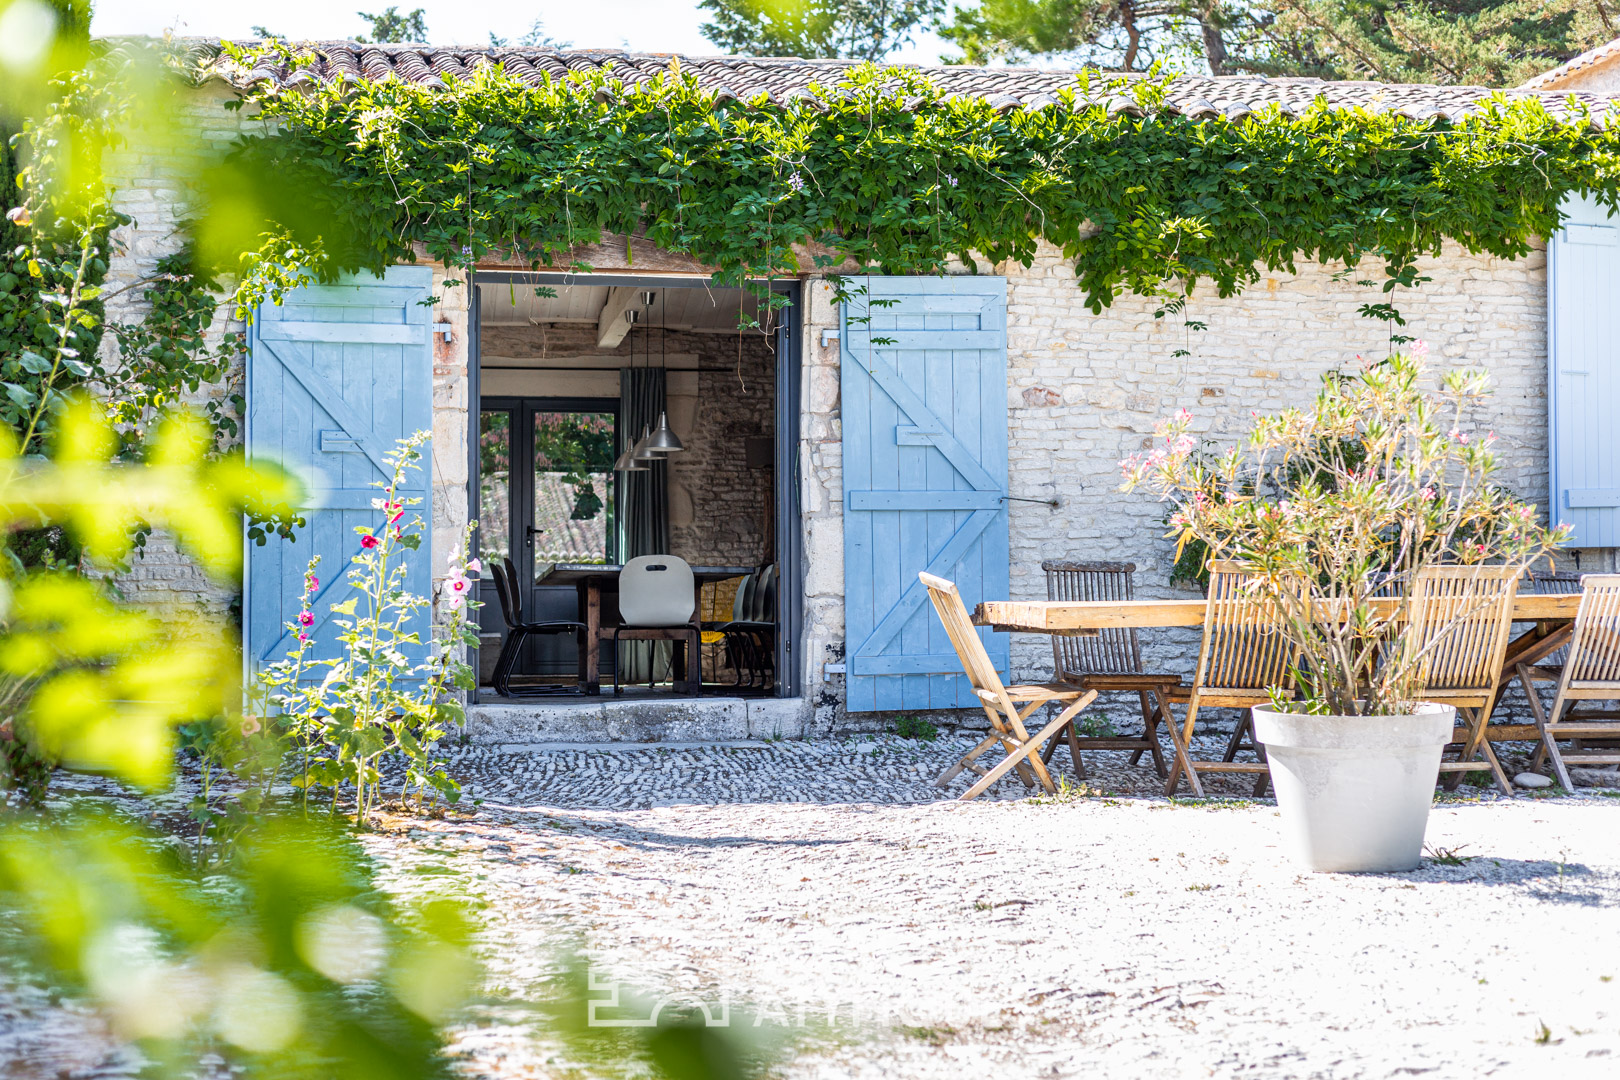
{"x": 385, "y": 683}
{"x": 1343, "y": 503}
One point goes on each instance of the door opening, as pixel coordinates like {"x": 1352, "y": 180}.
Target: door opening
{"x": 565, "y": 366}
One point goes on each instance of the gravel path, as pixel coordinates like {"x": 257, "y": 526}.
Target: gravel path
{"x": 1120, "y": 937}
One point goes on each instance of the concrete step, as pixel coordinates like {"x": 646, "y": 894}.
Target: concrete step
{"x": 607, "y": 719}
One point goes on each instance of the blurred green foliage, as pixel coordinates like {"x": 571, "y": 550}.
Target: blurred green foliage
{"x": 298, "y": 970}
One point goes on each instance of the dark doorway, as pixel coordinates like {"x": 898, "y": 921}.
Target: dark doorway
{"x": 545, "y": 475}
{"x": 559, "y": 343}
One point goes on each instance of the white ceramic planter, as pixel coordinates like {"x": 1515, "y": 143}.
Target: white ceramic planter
{"x": 1355, "y": 791}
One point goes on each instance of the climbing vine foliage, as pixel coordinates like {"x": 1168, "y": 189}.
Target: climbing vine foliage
{"x": 882, "y": 172}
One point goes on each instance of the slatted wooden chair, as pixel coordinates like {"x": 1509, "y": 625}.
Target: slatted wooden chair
{"x": 1460, "y": 617}
{"x": 1243, "y": 656}
{"x": 1006, "y": 706}
{"x": 1110, "y": 659}
{"x": 1590, "y": 672}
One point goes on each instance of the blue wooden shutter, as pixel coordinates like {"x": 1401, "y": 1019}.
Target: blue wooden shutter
{"x": 924, "y": 411}
{"x": 335, "y": 376}
{"x": 1584, "y": 383}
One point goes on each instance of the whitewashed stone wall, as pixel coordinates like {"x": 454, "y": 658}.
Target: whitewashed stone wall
{"x": 1084, "y": 391}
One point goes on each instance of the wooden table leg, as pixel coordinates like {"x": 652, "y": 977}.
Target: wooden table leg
{"x": 1530, "y": 647}
{"x": 592, "y": 592}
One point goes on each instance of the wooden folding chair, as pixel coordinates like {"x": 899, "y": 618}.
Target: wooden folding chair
{"x": 1460, "y": 617}
{"x": 1590, "y": 672}
{"x": 1001, "y": 703}
{"x": 1245, "y": 654}
{"x": 1110, "y": 659}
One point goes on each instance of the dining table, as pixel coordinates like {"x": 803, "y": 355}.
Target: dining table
{"x": 1549, "y": 617}
{"x": 594, "y": 581}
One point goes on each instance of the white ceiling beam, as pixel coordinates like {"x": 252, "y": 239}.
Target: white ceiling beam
{"x": 611, "y": 325}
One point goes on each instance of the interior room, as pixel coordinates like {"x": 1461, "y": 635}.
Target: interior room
{"x": 619, "y": 421}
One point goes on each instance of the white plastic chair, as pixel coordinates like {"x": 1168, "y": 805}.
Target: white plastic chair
{"x": 658, "y": 602}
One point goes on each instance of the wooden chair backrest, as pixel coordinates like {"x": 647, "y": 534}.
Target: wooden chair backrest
{"x": 1459, "y": 617}
{"x": 1594, "y": 647}
{"x": 1552, "y": 583}
{"x": 976, "y": 663}
{"x": 1245, "y": 648}
{"x": 1113, "y": 651}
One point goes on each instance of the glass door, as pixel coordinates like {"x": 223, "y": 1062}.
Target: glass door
{"x": 545, "y": 498}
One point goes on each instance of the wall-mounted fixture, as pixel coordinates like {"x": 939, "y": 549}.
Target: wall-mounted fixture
{"x": 445, "y": 330}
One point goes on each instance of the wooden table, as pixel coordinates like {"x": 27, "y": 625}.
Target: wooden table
{"x": 1552, "y": 614}
{"x": 593, "y": 580}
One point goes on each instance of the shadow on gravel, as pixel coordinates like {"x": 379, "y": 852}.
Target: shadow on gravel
{"x": 1547, "y": 880}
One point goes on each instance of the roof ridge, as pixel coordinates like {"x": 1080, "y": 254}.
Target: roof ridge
{"x": 785, "y": 78}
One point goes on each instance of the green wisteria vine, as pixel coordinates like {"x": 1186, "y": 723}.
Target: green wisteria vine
{"x": 882, "y": 171}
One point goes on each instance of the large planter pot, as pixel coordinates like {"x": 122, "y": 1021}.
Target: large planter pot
{"x": 1354, "y": 791}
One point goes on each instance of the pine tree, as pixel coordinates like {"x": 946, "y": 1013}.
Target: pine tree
{"x": 1483, "y": 42}
{"x": 858, "y": 29}
{"x": 391, "y": 27}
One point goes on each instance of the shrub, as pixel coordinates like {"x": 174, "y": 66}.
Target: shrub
{"x": 1334, "y": 505}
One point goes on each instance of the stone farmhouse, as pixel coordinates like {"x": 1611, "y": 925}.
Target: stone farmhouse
{"x": 985, "y": 439}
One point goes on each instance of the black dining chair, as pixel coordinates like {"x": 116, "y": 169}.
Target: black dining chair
{"x": 751, "y": 633}
{"x": 518, "y": 632}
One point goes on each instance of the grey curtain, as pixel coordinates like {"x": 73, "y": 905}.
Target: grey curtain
{"x": 642, "y": 505}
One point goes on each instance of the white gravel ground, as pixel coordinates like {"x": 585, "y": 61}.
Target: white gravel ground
{"x": 1039, "y": 938}
{"x": 867, "y": 926}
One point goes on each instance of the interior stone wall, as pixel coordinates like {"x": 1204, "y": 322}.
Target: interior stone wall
{"x": 721, "y": 390}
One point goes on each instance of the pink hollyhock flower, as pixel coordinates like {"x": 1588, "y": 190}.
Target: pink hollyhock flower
{"x": 368, "y": 541}
{"x": 250, "y": 725}
{"x": 475, "y": 567}
{"x": 306, "y": 618}
{"x": 303, "y": 637}
{"x": 455, "y": 600}
{"x": 311, "y": 583}
{"x": 457, "y": 585}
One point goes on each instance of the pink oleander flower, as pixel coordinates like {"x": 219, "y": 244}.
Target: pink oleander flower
{"x": 368, "y": 541}
{"x": 1427, "y": 493}
{"x": 1420, "y": 348}
{"x": 306, "y": 618}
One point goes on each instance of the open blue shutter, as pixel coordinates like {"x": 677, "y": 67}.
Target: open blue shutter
{"x": 924, "y": 412}
{"x": 1584, "y": 380}
{"x": 335, "y": 376}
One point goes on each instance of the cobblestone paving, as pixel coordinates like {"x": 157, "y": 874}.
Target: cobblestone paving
{"x": 1088, "y": 935}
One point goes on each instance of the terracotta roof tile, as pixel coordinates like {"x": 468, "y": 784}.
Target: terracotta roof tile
{"x": 1563, "y": 71}
{"x": 784, "y": 79}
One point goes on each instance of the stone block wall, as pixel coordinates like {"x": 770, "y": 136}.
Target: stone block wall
{"x": 152, "y": 189}
{"x": 1085, "y": 390}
